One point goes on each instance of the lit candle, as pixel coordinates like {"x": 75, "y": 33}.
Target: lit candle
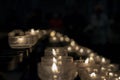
{"x": 32, "y": 32}
{"x": 54, "y": 68}
{"x": 52, "y": 33}
{"x": 77, "y": 47}
{"x": 104, "y": 61}
{"x": 67, "y": 39}
{"x": 81, "y": 50}
{"x": 87, "y": 63}
{"x": 54, "y": 52}
{"x": 93, "y": 75}
{"x": 20, "y": 40}
{"x": 54, "y": 39}
{"x": 72, "y": 43}
{"x": 110, "y": 74}
{"x": 69, "y": 49}
{"x": 119, "y": 77}
{"x": 61, "y": 38}
{"x": 54, "y": 60}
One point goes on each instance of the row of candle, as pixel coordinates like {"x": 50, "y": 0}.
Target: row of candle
{"x": 56, "y": 37}
{"x": 93, "y": 66}
{"x": 57, "y": 65}
{"x": 27, "y": 39}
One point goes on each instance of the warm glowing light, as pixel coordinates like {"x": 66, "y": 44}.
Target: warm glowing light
{"x": 61, "y": 39}
{"x": 32, "y": 31}
{"x": 69, "y": 48}
{"x": 103, "y": 60}
{"x": 54, "y": 60}
{"x": 72, "y": 43}
{"x": 93, "y": 75}
{"x": 37, "y": 31}
{"x": 88, "y": 50}
{"x": 92, "y": 54}
{"x": 55, "y": 76}
{"x": 111, "y": 74}
{"x": 119, "y": 77}
{"x": 116, "y": 79}
{"x": 67, "y": 39}
{"x": 52, "y": 34}
{"x": 91, "y": 59}
{"x": 20, "y": 39}
{"x": 58, "y": 34}
{"x": 95, "y": 70}
{"x": 77, "y": 48}
{"x": 59, "y": 57}
{"x": 103, "y": 69}
{"x": 54, "y": 52}
{"x": 54, "y": 68}
{"x": 87, "y": 61}
{"x": 81, "y": 50}
{"x": 103, "y": 77}
{"x": 116, "y": 75}
{"x": 54, "y": 38}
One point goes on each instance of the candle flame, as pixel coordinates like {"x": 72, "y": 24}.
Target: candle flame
{"x": 93, "y": 75}
{"x": 20, "y": 40}
{"x": 32, "y": 31}
{"x": 103, "y": 69}
{"x": 61, "y": 39}
{"x": 81, "y": 50}
{"x": 92, "y": 54}
{"x": 119, "y": 77}
{"x": 67, "y": 39}
{"x": 88, "y": 50}
{"x": 77, "y": 48}
{"x": 111, "y": 74}
{"x": 103, "y": 60}
{"x": 87, "y": 61}
{"x": 52, "y": 34}
{"x": 54, "y": 68}
{"x": 72, "y": 43}
{"x": 91, "y": 59}
{"x": 54, "y": 52}
{"x": 54, "y": 60}
{"x": 69, "y": 48}
{"x": 54, "y": 38}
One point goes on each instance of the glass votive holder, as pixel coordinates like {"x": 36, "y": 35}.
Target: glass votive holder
{"x": 55, "y": 51}
{"x": 60, "y": 72}
{"x": 20, "y": 41}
